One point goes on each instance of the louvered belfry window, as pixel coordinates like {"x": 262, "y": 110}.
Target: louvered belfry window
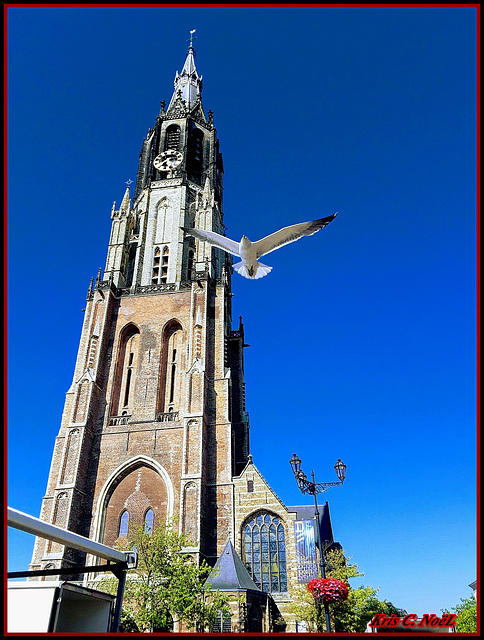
{"x": 172, "y": 139}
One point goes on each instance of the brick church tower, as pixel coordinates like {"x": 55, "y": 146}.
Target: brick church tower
{"x": 154, "y": 424}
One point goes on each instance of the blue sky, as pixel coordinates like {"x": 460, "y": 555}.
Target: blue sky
{"x": 363, "y": 337}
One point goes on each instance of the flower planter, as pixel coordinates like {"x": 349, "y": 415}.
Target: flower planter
{"x": 328, "y": 590}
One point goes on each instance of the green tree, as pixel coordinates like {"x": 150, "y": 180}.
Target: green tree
{"x": 466, "y": 611}
{"x": 351, "y": 615}
{"x": 304, "y": 609}
{"x": 167, "y": 586}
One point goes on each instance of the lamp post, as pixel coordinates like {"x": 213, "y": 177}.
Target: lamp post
{"x": 314, "y": 488}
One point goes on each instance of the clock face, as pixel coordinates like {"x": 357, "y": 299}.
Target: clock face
{"x": 168, "y": 160}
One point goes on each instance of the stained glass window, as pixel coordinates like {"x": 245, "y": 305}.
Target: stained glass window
{"x": 264, "y": 552}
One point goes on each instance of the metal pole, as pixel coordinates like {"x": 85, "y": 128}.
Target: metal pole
{"x": 38, "y": 527}
{"x": 121, "y": 576}
{"x": 322, "y": 564}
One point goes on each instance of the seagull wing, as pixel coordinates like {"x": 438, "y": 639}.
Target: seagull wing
{"x": 289, "y": 234}
{"x": 216, "y": 239}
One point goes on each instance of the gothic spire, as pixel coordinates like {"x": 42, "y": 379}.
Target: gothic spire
{"x": 207, "y": 199}
{"x": 126, "y": 203}
{"x": 188, "y": 82}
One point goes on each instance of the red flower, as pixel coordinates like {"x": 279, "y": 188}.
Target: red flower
{"x": 328, "y": 590}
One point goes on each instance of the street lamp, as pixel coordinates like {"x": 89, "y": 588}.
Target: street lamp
{"x": 314, "y": 488}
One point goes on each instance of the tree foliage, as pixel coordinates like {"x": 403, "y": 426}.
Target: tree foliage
{"x": 167, "y": 586}
{"x": 466, "y": 611}
{"x": 351, "y": 615}
{"x": 305, "y": 609}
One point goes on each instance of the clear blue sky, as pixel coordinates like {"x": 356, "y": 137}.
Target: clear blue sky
{"x": 363, "y": 337}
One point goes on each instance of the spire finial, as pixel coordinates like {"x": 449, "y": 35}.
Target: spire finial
{"x": 191, "y": 39}
{"x": 129, "y": 182}
{"x": 125, "y": 204}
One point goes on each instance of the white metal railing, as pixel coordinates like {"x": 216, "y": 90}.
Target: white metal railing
{"x": 38, "y": 527}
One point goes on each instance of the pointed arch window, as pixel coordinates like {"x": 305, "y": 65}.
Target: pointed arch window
{"x": 264, "y": 552}
{"x": 195, "y": 155}
{"x": 126, "y": 371}
{"x": 123, "y": 524}
{"x": 149, "y": 520}
{"x": 171, "y": 369}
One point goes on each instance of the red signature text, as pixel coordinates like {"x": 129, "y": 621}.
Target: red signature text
{"x": 411, "y": 620}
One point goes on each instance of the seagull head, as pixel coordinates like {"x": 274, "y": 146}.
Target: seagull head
{"x": 245, "y": 242}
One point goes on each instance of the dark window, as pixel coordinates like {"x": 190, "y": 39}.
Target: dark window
{"x": 128, "y": 385}
{"x": 172, "y": 139}
{"x": 195, "y": 156}
{"x": 197, "y": 147}
{"x": 173, "y": 375}
{"x": 130, "y": 267}
{"x": 250, "y": 486}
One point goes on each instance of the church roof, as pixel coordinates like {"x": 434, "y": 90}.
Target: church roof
{"x": 188, "y": 84}
{"x": 229, "y": 573}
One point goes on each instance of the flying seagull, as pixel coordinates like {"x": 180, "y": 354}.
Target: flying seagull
{"x": 249, "y": 252}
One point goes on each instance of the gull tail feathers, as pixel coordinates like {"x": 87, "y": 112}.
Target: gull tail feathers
{"x": 249, "y": 272}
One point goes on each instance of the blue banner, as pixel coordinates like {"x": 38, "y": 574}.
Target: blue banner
{"x": 306, "y": 563}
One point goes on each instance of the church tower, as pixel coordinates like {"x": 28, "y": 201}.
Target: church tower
{"x": 154, "y": 425}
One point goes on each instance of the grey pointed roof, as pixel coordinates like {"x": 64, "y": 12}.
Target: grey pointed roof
{"x": 229, "y": 573}
{"x": 188, "y": 82}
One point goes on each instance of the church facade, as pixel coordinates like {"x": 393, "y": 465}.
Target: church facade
{"x": 155, "y": 426}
